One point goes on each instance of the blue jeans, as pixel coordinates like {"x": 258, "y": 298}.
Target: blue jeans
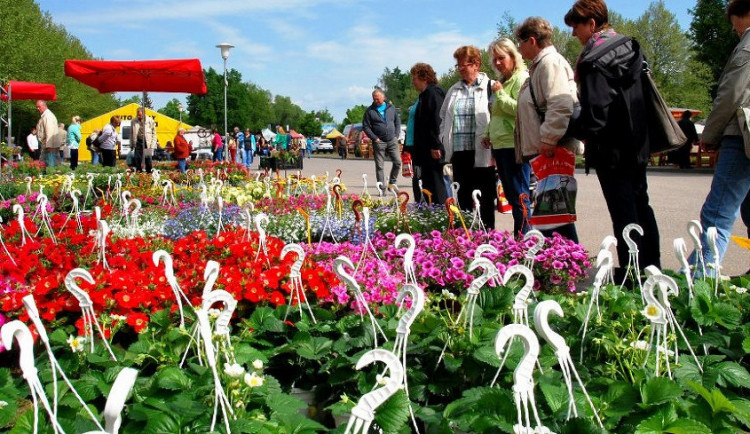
{"x": 515, "y": 180}
{"x": 219, "y": 154}
{"x": 94, "y": 157}
{"x": 182, "y": 165}
{"x": 51, "y": 157}
{"x": 729, "y": 187}
{"x": 248, "y": 154}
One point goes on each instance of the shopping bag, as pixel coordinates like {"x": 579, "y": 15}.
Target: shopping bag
{"x": 407, "y": 169}
{"x": 554, "y": 201}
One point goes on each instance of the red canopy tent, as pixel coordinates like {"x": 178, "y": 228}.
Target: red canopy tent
{"x": 296, "y": 135}
{"x": 27, "y": 90}
{"x": 176, "y": 75}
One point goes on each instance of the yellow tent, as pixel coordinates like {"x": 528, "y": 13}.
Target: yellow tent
{"x": 166, "y": 127}
{"x": 334, "y": 134}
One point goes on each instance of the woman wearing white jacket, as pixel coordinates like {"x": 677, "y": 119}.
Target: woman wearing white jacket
{"x": 465, "y": 116}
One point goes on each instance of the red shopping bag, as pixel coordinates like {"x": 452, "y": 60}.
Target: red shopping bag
{"x": 554, "y": 201}
{"x": 407, "y": 169}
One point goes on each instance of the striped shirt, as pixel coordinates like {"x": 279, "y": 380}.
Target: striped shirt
{"x": 464, "y": 122}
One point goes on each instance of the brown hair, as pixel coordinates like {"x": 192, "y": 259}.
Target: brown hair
{"x": 115, "y": 120}
{"x": 468, "y": 53}
{"x": 424, "y": 72}
{"x": 584, "y": 10}
{"x": 738, "y": 8}
{"x": 537, "y": 28}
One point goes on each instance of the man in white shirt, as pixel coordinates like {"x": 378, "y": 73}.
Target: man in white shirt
{"x": 33, "y": 143}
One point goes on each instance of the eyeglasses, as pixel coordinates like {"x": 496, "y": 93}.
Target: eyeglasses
{"x": 522, "y": 41}
{"x": 465, "y": 65}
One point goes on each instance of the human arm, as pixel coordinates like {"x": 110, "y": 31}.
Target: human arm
{"x": 367, "y": 127}
{"x": 733, "y": 90}
{"x": 554, "y": 90}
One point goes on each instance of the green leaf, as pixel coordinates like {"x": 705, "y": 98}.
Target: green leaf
{"x": 284, "y": 404}
{"x": 734, "y": 374}
{"x": 686, "y": 426}
{"x": 487, "y": 355}
{"x": 726, "y": 315}
{"x": 622, "y": 397}
{"x": 8, "y": 411}
{"x": 746, "y": 345}
{"x": 172, "y": 378}
{"x": 393, "y": 414}
{"x": 556, "y": 395}
{"x": 657, "y": 422}
{"x": 580, "y": 425}
{"x": 659, "y": 390}
{"x": 161, "y": 423}
{"x": 314, "y": 348}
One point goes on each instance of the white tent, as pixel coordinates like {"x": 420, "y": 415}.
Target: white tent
{"x": 268, "y": 134}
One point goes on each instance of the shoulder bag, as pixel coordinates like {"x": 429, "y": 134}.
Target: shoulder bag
{"x": 572, "y": 123}
{"x": 664, "y": 134}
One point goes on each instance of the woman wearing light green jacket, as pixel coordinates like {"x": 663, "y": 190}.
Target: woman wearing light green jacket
{"x": 511, "y": 69}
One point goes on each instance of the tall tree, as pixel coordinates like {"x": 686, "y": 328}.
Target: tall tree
{"x": 171, "y": 109}
{"x": 712, "y": 36}
{"x": 39, "y": 50}
{"x": 286, "y": 113}
{"x": 324, "y": 116}
{"x": 396, "y": 85}
{"x": 355, "y": 114}
{"x": 309, "y": 125}
{"x": 261, "y": 108}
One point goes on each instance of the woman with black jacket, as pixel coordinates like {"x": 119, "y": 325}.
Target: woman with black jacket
{"x": 614, "y": 125}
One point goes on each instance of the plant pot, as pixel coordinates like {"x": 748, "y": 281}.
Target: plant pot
{"x": 306, "y": 396}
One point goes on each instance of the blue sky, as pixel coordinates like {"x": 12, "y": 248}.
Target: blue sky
{"x": 320, "y": 53}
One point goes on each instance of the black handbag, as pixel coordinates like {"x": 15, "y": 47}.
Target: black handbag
{"x": 664, "y": 133}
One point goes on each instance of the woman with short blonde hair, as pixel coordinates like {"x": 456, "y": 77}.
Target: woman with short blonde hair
{"x": 73, "y": 140}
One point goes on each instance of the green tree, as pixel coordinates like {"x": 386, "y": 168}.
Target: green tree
{"x": 397, "y": 86}
{"x": 309, "y": 125}
{"x": 355, "y": 114}
{"x": 712, "y": 36}
{"x": 171, "y": 109}
{"x": 324, "y": 116}
{"x": 208, "y": 110}
{"x": 135, "y": 99}
{"x": 261, "y": 112}
{"x": 286, "y": 113}
{"x": 39, "y": 50}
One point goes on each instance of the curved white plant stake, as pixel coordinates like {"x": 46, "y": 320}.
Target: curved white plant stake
{"x": 261, "y": 219}
{"x": 18, "y": 209}
{"x": 45, "y": 223}
{"x": 204, "y": 198}
{"x": 155, "y": 177}
{"x": 167, "y": 197}
{"x": 3, "y": 243}
{"x": 562, "y": 351}
{"x": 117, "y": 190}
{"x": 89, "y": 189}
{"x": 712, "y": 236}
{"x": 118, "y": 394}
{"x": 520, "y": 304}
{"x": 421, "y": 196}
{"x": 220, "y": 396}
{"x": 488, "y": 248}
{"x": 489, "y": 271}
{"x": 222, "y": 329}
{"x": 18, "y": 331}
{"x": 220, "y": 225}
{"x": 454, "y": 190}
{"x": 28, "y": 180}
{"x": 409, "y": 276}
{"x": 605, "y": 263}
{"x": 328, "y": 216}
{"x": 210, "y": 274}
{"x": 633, "y": 264}
{"x": 476, "y": 217}
{"x": 87, "y": 307}
{"x": 314, "y": 184}
{"x": 695, "y": 230}
{"x": 74, "y": 212}
{"x": 133, "y": 221}
{"x": 248, "y": 221}
{"x": 295, "y": 275}
{"x": 162, "y": 255}
{"x": 379, "y": 187}
{"x": 680, "y": 252}
{"x": 364, "y": 412}
{"x": 531, "y": 253}
{"x": 523, "y": 376}
{"x": 351, "y": 283}
{"x": 33, "y": 312}
{"x": 655, "y": 312}
{"x": 365, "y": 192}
{"x": 95, "y": 232}
{"x": 666, "y": 285}
{"x": 103, "y": 231}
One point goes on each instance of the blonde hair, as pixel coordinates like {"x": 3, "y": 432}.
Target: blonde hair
{"x": 507, "y": 47}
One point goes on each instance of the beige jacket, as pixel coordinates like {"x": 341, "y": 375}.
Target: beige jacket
{"x": 555, "y": 92}
{"x": 47, "y": 131}
{"x": 733, "y": 91}
{"x": 482, "y": 156}
{"x": 150, "y": 131}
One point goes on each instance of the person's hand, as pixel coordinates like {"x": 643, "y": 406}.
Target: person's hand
{"x": 547, "y": 149}
{"x": 496, "y": 86}
{"x": 486, "y": 142}
{"x": 435, "y": 154}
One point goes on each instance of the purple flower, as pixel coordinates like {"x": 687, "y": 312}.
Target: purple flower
{"x": 557, "y": 265}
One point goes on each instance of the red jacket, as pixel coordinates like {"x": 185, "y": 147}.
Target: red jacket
{"x": 181, "y": 147}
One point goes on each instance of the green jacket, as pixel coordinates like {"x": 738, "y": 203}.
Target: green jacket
{"x": 503, "y": 112}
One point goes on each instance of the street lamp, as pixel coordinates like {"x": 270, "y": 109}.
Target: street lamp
{"x": 225, "y": 47}
{"x": 179, "y": 109}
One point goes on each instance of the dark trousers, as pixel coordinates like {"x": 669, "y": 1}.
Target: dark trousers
{"x": 515, "y": 179}
{"x": 108, "y": 157}
{"x": 463, "y": 174}
{"x": 626, "y": 193}
{"x": 486, "y": 181}
{"x": 73, "y": 159}
{"x": 139, "y": 159}
{"x": 432, "y": 181}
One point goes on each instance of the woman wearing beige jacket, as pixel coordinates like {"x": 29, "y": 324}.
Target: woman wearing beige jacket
{"x": 554, "y": 87}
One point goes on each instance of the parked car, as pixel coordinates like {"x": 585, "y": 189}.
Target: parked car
{"x": 324, "y": 145}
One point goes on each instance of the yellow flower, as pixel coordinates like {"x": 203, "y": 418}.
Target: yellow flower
{"x": 254, "y": 380}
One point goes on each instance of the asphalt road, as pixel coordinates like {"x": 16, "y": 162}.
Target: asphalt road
{"x": 676, "y": 196}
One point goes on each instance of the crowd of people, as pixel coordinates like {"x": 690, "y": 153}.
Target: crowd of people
{"x": 483, "y": 129}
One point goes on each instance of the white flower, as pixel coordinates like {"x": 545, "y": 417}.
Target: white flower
{"x": 258, "y": 364}
{"x": 740, "y": 290}
{"x": 254, "y": 380}
{"x": 213, "y": 313}
{"x": 639, "y": 345}
{"x": 382, "y": 379}
{"x": 76, "y": 343}
{"x": 116, "y": 317}
{"x": 234, "y": 370}
{"x": 652, "y": 312}
{"x": 449, "y": 295}
{"x": 3, "y": 404}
